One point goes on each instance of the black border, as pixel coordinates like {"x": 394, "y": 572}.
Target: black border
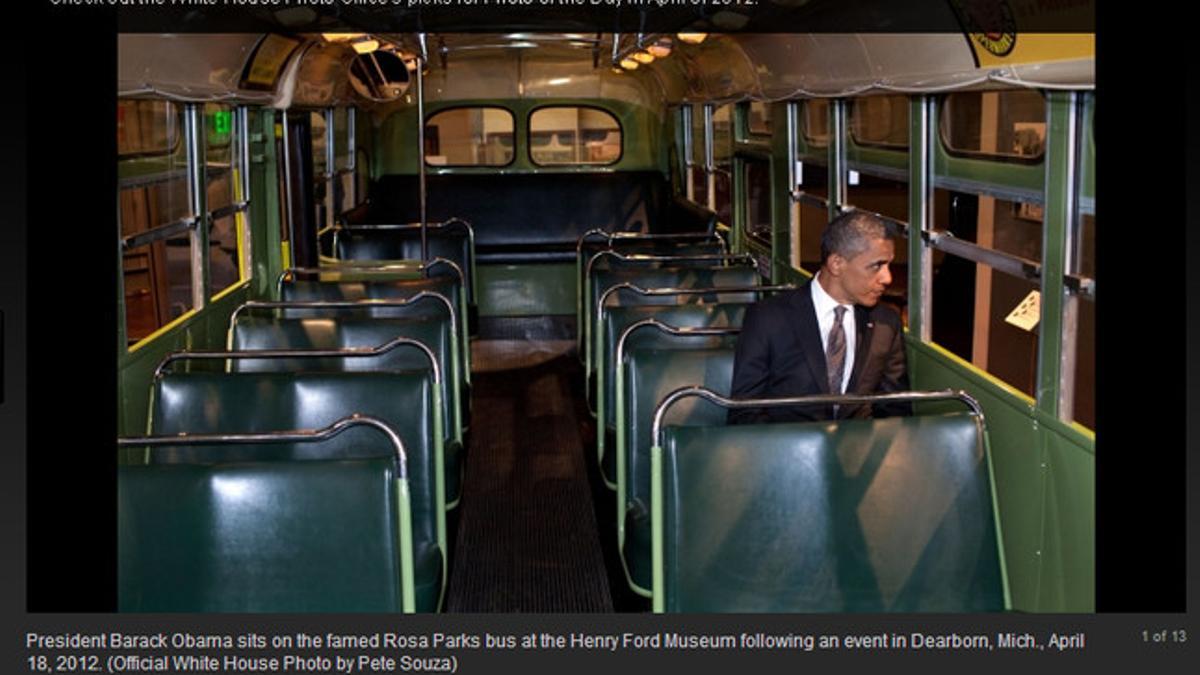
{"x": 1142, "y": 529}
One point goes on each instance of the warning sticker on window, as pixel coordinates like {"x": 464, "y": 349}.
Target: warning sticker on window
{"x": 1028, "y": 313}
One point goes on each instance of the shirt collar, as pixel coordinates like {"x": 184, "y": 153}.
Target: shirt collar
{"x": 823, "y": 303}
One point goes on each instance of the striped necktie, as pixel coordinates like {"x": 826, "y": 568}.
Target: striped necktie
{"x": 835, "y": 351}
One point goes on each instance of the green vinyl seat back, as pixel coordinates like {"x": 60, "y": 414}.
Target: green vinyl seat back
{"x": 882, "y": 515}
{"x": 617, "y": 319}
{"x": 663, "y": 246}
{"x": 448, "y": 287}
{"x": 590, "y": 262}
{"x": 586, "y": 259}
{"x": 683, "y": 274}
{"x": 614, "y": 320}
{"x": 697, "y": 277}
{"x": 660, "y": 364}
{"x": 262, "y": 402}
{"x": 255, "y": 331}
{"x": 269, "y": 536}
{"x": 452, "y": 241}
{"x": 390, "y": 289}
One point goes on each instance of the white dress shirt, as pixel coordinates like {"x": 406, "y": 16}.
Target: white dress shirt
{"x": 824, "y": 305}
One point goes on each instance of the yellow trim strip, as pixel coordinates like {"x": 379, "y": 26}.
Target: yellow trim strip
{"x": 245, "y": 283}
{"x": 170, "y": 325}
{"x": 1088, "y": 433}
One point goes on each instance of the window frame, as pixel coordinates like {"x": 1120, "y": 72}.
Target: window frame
{"x": 516, "y": 132}
{"x": 570, "y": 165}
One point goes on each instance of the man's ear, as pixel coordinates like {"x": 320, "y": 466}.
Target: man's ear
{"x": 835, "y": 263}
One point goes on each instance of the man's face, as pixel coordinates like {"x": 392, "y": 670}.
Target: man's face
{"x": 863, "y": 278}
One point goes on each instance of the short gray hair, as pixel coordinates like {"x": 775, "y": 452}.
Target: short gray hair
{"x": 852, "y": 232}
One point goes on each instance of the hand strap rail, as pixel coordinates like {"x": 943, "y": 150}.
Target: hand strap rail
{"x": 667, "y": 328}
{"x": 368, "y": 303}
{"x": 366, "y": 266}
{"x": 449, "y": 222}
{"x": 346, "y": 352}
{"x": 290, "y": 436}
{"x": 819, "y": 399}
{"x": 609, "y": 237}
{"x": 643, "y": 257}
{"x": 717, "y": 290}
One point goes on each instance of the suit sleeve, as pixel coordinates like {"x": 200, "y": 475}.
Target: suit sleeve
{"x": 895, "y": 376}
{"x": 751, "y": 366}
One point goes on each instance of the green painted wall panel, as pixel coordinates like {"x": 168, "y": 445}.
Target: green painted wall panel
{"x": 1043, "y": 476}
{"x": 1017, "y": 460}
{"x": 526, "y": 290}
{"x": 1069, "y": 531}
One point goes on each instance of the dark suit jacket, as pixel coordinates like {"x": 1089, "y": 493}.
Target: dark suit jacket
{"x": 779, "y": 353}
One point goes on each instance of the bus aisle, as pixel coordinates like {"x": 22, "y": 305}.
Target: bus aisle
{"x": 527, "y": 537}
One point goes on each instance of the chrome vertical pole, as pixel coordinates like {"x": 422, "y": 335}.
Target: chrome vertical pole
{"x": 352, "y": 165}
{"x": 709, "y": 162}
{"x": 837, "y": 156}
{"x": 193, "y": 127}
{"x": 331, "y": 176}
{"x": 421, "y": 143}
{"x": 287, "y": 185}
{"x": 685, "y": 119}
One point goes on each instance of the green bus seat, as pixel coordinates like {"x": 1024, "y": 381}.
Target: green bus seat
{"x": 453, "y": 240}
{"x": 613, "y": 322}
{"x": 596, "y": 241}
{"x": 312, "y": 290}
{"x": 260, "y": 402}
{"x": 882, "y": 515}
{"x": 251, "y": 332}
{"x": 650, "y": 373}
{"x": 317, "y": 535}
{"x": 678, "y": 276}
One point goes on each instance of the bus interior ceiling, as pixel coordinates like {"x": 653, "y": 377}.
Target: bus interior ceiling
{"x": 309, "y": 151}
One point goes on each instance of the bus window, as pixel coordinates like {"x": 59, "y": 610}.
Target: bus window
{"x": 722, "y": 162}
{"x": 758, "y": 118}
{"x": 469, "y": 137}
{"x": 972, "y": 302}
{"x": 814, "y": 122}
{"x": 756, "y": 177}
{"x": 1012, "y": 227}
{"x": 344, "y": 191}
{"x": 1083, "y": 408}
{"x": 998, "y": 124}
{"x": 699, "y": 178}
{"x": 154, "y": 206}
{"x": 320, "y": 167}
{"x": 222, "y": 233}
{"x": 146, "y": 127}
{"x": 1085, "y": 246}
{"x": 880, "y": 121}
{"x": 573, "y": 135}
{"x": 1084, "y": 405}
{"x": 971, "y": 305}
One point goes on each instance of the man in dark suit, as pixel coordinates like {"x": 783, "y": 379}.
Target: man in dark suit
{"x": 829, "y": 336}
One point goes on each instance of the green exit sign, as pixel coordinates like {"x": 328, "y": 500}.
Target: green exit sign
{"x": 222, "y": 121}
